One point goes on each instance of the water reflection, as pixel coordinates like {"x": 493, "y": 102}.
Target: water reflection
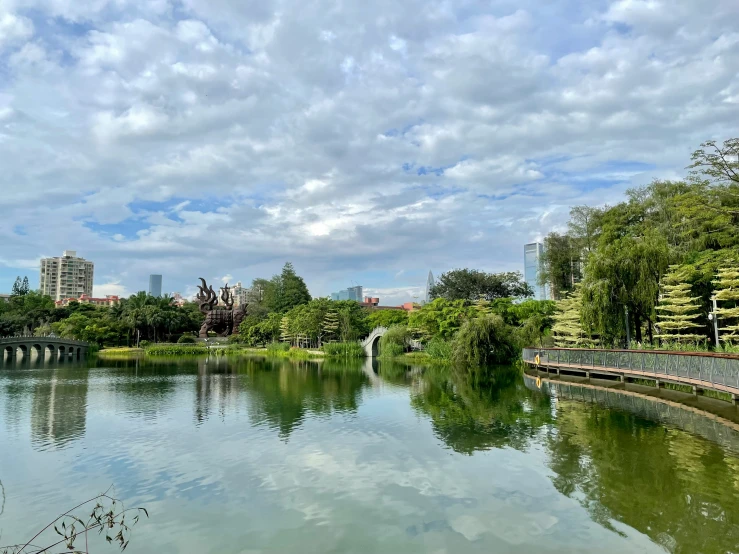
{"x": 309, "y": 449}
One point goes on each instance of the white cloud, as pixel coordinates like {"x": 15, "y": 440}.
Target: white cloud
{"x": 362, "y": 139}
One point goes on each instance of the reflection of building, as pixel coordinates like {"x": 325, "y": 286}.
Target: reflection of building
{"x": 351, "y": 293}
{"x": 110, "y": 300}
{"x": 429, "y": 285}
{"x": 59, "y": 408}
{"x": 66, "y": 277}
{"x": 532, "y": 254}
{"x": 241, "y": 294}
{"x": 155, "y": 285}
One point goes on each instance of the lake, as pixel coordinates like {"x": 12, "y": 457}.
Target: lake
{"x": 252, "y": 455}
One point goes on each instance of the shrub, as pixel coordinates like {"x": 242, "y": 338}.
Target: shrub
{"x": 439, "y": 349}
{"x": 395, "y": 341}
{"x": 186, "y": 339}
{"x": 343, "y": 350}
{"x": 483, "y": 341}
{"x": 275, "y": 347}
{"x": 144, "y": 343}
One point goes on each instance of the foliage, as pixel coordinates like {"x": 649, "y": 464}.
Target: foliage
{"x": 275, "y": 347}
{"x": 471, "y": 284}
{"x": 439, "y": 349}
{"x": 186, "y": 339}
{"x": 727, "y": 294}
{"x": 677, "y": 309}
{"x": 330, "y": 325}
{"x": 343, "y": 350}
{"x": 483, "y": 341}
{"x": 386, "y": 318}
{"x": 568, "y": 331}
{"x": 20, "y": 287}
{"x": 285, "y": 291}
{"x": 175, "y": 349}
{"x": 441, "y": 317}
{"x": 560, "y": 264}
{"x": 395, "y": 341}
{"x": 71, "y": 533}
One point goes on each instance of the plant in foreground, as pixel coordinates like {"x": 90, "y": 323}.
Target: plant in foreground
{"x": 108, "y": 516}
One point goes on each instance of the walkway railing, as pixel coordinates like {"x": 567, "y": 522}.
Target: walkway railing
{"x": 703, "y": 369}
{"x": 45, "y": 338}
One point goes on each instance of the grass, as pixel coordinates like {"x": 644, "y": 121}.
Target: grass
{"x": 120, "y": 352}
{"x": 343, "y": 350}
{"x": 165, "y": 349}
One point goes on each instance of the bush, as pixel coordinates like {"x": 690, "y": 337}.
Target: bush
{"x": 175, "y": 349}
{"x": 343, "y": 350}
{"x": 483, "y": 341}
{"x": 144, "y": 343}
{"x": 276, "y": 347}
{"x": 395, "y": 341}
{"x": 186, "y": 339}
{"x": 439, "y": 349}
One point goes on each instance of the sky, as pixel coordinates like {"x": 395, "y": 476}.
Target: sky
{"x": 365, "y": 142}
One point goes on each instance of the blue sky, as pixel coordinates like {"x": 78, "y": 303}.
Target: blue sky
{"x": 366, "y": 142}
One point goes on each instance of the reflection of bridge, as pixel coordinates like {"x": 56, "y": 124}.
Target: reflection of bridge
{"x": 699, "y": 370}
{"x": 50, "y": 348}
{"x": 709, "y": 425}
{"x": 372, "y": 342}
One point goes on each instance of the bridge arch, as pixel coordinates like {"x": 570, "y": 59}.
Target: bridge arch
{"x": 372, "y": 343}
{"x": 49, "y": 352}
{"x": 36, "y": 350}
{"x": 8, "y": 352}
{"x": 62, "y": 351}
{"x": 21, "y": 351}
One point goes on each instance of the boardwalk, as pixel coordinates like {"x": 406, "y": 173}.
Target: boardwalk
{"x": 700, "y": 370}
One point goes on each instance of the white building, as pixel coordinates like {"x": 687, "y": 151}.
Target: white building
{"x": 66, "y": 276}
{"x": 241, "y": 294}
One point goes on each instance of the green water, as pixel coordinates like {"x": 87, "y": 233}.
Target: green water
{"x": 278, "y": 456}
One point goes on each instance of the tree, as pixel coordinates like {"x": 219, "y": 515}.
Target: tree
{"x": 584, "y": 226}
{"x": 560, "y": 264}
{"x": 20, "y": 287}
{"x": 286, "y": 334}
{"x": 568, "y": 329}
{"x": 386, "y": 318}
{"x": 330, "y": 325}
{"x": 286, "y": 291}
{"x": 441, "y": 318}
{"x": 727, "y": 293}
{"x": 471, "y": 284}
{"x": 480, "y": 342}
{"x": 677, "y": 309}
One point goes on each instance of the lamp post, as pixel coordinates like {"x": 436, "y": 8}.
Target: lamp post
{"x": 628, "y": 329}
{"x": 713, "y": 316}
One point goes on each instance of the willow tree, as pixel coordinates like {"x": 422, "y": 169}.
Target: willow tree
{"x": 568, "y": 330}
{"x": 624, "y": 273}
{"x": 678, "y": 310}
{"x": 727, "y": 294}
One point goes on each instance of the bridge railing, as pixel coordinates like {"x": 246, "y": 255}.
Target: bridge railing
{"x": 42, "y": 338}
{"x": 716, "y": 369}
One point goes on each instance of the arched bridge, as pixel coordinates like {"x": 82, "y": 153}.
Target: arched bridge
{"x": 49, "y": 348}
{"x": 372, "y": 342}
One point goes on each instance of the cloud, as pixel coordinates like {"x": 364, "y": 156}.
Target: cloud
{"x": 355, "y": 140}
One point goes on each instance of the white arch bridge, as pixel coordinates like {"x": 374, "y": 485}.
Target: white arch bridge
{"x": 49, "y": 348}
{"x": 372, "y": 343}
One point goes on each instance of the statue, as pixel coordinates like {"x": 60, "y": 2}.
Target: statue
{"x": 223, "y": 321}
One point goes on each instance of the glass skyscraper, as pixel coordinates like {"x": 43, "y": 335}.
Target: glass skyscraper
{"x": 155, "y": 285}
{"x": 352, "y": 293}
{"x": 531, "y": 257}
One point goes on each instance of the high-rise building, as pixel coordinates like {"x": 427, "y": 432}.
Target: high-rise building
{"x": 532, "y": 254}
{"x": 66, "y": 276}
{"x": 430, "y": 282}
{"x": 351, "y": 293}
{"x": 240, "y": 294}
{"x": 155, "y": 285}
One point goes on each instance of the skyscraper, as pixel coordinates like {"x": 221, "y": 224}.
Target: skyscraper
{"x": 155, "y": 285}
{"x": 351, "y": 293}
{"x": 429, "y": 285}
{"x": 531, "y": 258}
{"x": 66, "y": 276}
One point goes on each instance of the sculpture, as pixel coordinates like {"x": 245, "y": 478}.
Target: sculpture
{"x": 224, "y": 321}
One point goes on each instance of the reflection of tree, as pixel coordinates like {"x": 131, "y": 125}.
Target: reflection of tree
{"x": 282, "y": 392}
{"x": 59, "y": 408}
{"x": 469, "y": 418}
{"x": 680, "y": 490}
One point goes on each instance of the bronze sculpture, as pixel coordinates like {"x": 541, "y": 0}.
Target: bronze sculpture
{"x": 223, "y": 321}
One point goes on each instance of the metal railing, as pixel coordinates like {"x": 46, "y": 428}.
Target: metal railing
{"x": 719, "y": 370}
{"x": 45, "y": 338}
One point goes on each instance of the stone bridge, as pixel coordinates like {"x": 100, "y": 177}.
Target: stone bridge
{"x": 372, "y": 343}
{"x": 49, "y": 348}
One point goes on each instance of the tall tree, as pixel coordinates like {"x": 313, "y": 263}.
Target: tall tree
{"x": 20, "y": 287}
{"x": 560, "y": 264}
{"x": 472, "y": 285}
{"x": 584, "y": 226}
{"x": 568, "y": 330}
{"x": 727, "y": 294}
{"x": 678, "y": 310}
{"x": 286, "y": 290}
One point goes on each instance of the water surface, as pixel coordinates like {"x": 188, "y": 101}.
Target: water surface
{"x": 252, "y": 456}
